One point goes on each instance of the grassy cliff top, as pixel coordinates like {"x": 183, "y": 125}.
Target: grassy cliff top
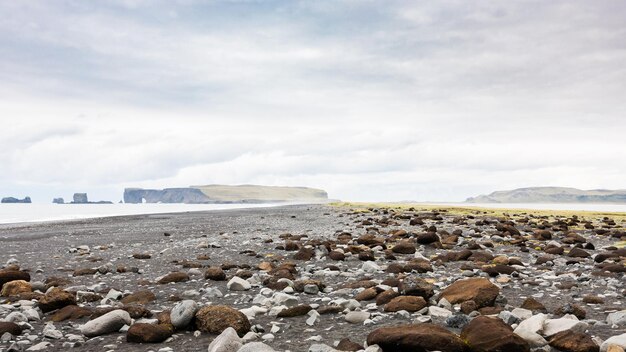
{"x": 263, "y": 193}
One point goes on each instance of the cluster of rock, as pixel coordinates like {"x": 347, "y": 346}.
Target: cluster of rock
{"x": 15, "y": 200}
{"x": 81, "y": 198}
{"x": 413, "y": 281}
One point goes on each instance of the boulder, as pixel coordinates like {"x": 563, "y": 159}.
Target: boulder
{"x": 148, "y": 333}
{"x": 215, "y": 319}
{"x": 617, "y": 318}
{"x": 183, "y": 312}
{"x": 357, "y": 317}
{"x": 484, "y": 334}
{"x": 530, "y": 329}
{"x": 416, "y": 338}
{"x": 7, "y": 275}
{"x": 14, "y": 288}
{"x": 108, "y": 323}
{"x": 215, "y": 273}
{"x": 9, "y": 327}
{"x": 479, "y": 290}
{"x": 571, "y": 341}
{"x": 227, "y": 341}
{"x": 140, "y": 297}
{"x": 408, "y": 303}
{"x": 617, "y": 340}
{"x": 294, "y": 311}
{"x": 404, "y": 247}
{"x": 56, "y": 298}
{"x": 72, "y": 312}
{"x": 256, "y": 347}
{"x": 554, "y": 326}
{"x": 238, "y": 284}
{"x": 176, "y": 276}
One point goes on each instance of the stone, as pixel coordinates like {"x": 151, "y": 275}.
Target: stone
{"x": 256, "y": 347}
{"x": 484, "y": 334}
{"x": 617, "y": 340}
{"x": 348, "y": 345}
{"x": 617, "y": 318}
{"x": 108, "y": 323}
{"x": 51, "y": 332}
{"x": 533, "y": 305}
{"x": 56, "y": 298}
{"x": 415, "y": 286}
{"x": 238, "y": 284}
{"x": 554, "y": 326}
{"x": 530, "y": 329}
{"x": 479, "y": 290}
{"x": 357, "y": 317}
{"x": 570, "y": 341}
{"x": 140, "y": 297}
{"x": 15, "y": 287}
{"x": 294, "y": 311}
{"x": 416, "y": 338}
{"x": 215, "y": 319}
{"x": 40, "y": 346}
{"x": 404, "y": 247}
{"x": 8, "y": 275}
{"x": 148, "y": 333}
{"x": 408, "y": 303}
{"x": 227, "y": 341}
{"x": 10, "y": 327}
{"x": 183, "y": 313}
{"x": 72, "y": 312}
{"x": 176, "y": 276}
{"x": 215, "y": 273}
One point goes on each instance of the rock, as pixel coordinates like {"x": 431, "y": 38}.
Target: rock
{"x": 10, "y": 327}
{"x": 439, "y": 312}
{"x": 414, "y": 286}
{"x": 408, "y": 303}
{"x": 7, "y": 275}
{"x": 140, "y": 297}
{"x": 256, "y": 347}
{"x": 457, "y": 321}
{"x": 51, "y": 332}
{"x": 183, "y": 313}
{"x": 484, "y": 334}
{"x": 294, "y": 311}
{"x": 530, "y": 329}
{"x": 56, "y": 298}
{"x": 215, "y": 273}
{"x": 72, "y": 312}
{"x": 569, "y": 308}
{"x": 15, "y": 200}
{"x": 148, "y": 333}
{"x": 40, "y": 346}
{"x": 176, "y": 276}
{"x": 348, "y": 345}
{"x": 479, "y": 290}
{"x": 416, "y": 338}
{"x": 427, "y": 238}
{"x": 578, "y": 253}
{"x": 533, "y": 305}
{"x": 554, "y": 326}
{"x": 108, "y": 323}
{"x": 404, "y": 247}
{"x": 617, "y": 318}
{"x": 80, "y": 198}
{"x": 14, "y": 288}
{"x": 570, "y": 341}
{"x": 238, "y": 284}
{"x": 357, "y": 317}
{"x": 617, "y": 340}
{"x": 227, "y": 341}
{"x": 215, "y": 319}
{"x": 386, "y": 296}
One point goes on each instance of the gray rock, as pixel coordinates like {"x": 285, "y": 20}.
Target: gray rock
{"x": 183, "y": 313}
{"x": 617, "y": 318}
{"x": 40, "y": 346}
{"x": 16, "y": 317}
{"x": 318, "y": 347}
{"x": 238, "y": 284}
{"x": 508, "y": 317}
{"x": 106, "y": 324}
{"x": 50, "y": 331}
{"x": 357, "y": 317}
{"x": 457, "y": 321}
{"x": 227, "y": 341}
{"x": 618, "y": 340}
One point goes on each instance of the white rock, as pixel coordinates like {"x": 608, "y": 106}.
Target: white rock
{"x": 227, "y": 341}
{"x": 313, "y": 317}
{"x": 321, "y": 348}
{"x": 617, "y": 318}
{"x": 110, "y": 322}
{"x": 373, "y": 348}
{"x": 522, "y": 313}
{"x": 40, "y": 346}
{"x": 619, "y": 340}
{"x": 238, "y": 284}
{"x": 183, "y": 312}
{"x": 554, "y": 326}
{"x": 438, "y": 312}
{"x": 50, "y": 331}
{"x": 530, "y": 329}
{"x": 16, "y": 317}
{"x": 256, "y": 347}
{"x": 370, "y": 267}
{"x": 357, "y": 317}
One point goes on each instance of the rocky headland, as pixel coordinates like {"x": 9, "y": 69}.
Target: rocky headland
{"x": 552, "y": 195}
{"x": 317, "y": 278}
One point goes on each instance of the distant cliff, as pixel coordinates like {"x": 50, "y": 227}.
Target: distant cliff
{"x": 552, "y": 195}
{"x": 15, "y": 200}
{"x": 225, "y": 194}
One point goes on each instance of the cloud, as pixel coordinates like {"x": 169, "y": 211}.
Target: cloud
{"x": 372, "y": 101}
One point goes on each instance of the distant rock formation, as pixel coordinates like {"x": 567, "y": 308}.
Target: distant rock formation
{"x": 58, "y": 201}
{"x": 16, "y": 200}
{"x": 81, "y": 198}
{"x": 552, "y": 195}
{"x": 225, "y": 194}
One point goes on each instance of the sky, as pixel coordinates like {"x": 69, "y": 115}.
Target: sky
{"x": 369, "y": 100}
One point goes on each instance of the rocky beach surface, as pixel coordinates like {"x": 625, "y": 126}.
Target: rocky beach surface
{"x": 316, "y": 278}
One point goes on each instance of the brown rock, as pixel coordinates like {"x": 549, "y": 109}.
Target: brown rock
{"x": 147, "y": 333}
{"x": 265, "y": 266}
{"x": 408, "y": 303}
{"x": 176, "y": 276}
{"x": 215, "y": 319}
{"x": 54, "y": 281}
{"x": 533, "y": 305}
{"x": 578, "y": 253}
{"x": 569, "y": 308}
{"x": 386, "y": 297}
{"x": 337, "y": 255}
{"x": 15, "y": 287}
{"x": 415, "y": 286}
{"x": 484, "y": 334}
{"x": 56, "y": 298}
{"x": 12, "y": 275}
{"x": 416, "y": 338}
{"x": 142, "y": 255}
{"x": 85, "y": 272}
{"x": 11, "y": 328}
{"x": 590, "y": 299}
{"x": 294, "y": 311}
{"x": 329, "y": 310}
{"x": 468, "y": 306}
{"x": 404, "y": 247}
{"x": 479, "y": 290}
{"x": 140, "y": 297}
{"x": 72, "y": 312}
{"x": 304, "y": 253}
{"x": 348, "y": 345}
{"x": 215, "y": 273}
{"x": 367, "y": 294}
{"x": 570, "y": 341}
{"x": 427, "y": 238}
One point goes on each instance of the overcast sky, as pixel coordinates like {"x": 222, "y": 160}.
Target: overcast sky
{"x": 369, "y": 100}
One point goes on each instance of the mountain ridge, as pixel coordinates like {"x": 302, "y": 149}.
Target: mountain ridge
{"x": 552, "y": 195}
